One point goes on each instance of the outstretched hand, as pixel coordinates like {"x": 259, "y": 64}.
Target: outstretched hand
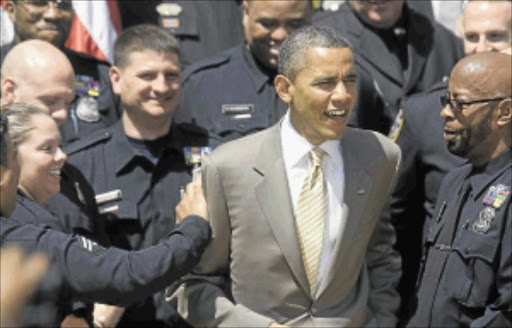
{"x": 193, "y": 202}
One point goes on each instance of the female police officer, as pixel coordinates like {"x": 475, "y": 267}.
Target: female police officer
{"x": 89, "y": 271}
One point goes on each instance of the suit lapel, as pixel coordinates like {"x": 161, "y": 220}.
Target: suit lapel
{"x": 273, "y": 196}
{"x": 357, "y": 187}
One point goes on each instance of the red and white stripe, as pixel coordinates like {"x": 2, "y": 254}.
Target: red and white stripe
{"x": 95, "y": 28}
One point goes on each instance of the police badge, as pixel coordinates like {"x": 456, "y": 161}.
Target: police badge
{"x": 87, "y": 109}
{"x": 485, "y": 218}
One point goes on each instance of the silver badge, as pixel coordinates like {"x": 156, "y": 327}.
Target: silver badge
{"x": 87, "y": 109}
{"x": 484, "y": 221}
{"x": 169, "y": 9}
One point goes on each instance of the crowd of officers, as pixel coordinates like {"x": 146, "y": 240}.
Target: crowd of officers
{"x": 189, "y": 76}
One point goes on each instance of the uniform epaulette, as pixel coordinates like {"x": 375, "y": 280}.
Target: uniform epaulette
{"x": 93, "y": 139}
{"x": 206, "y": 63}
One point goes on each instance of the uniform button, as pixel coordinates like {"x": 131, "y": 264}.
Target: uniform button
{"x": 466, "y": 250}
{"x": 241, "y": 126}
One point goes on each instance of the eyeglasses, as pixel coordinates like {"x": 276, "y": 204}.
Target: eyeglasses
{"x": 457, "y": 105}
{"x": 40, "y": 6}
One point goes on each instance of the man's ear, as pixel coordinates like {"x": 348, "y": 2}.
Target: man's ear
{"x": 115, "y": 78}
{"x": 8, "y": 88}
{"x": 284, "y": 88}
{"x": 504, "y": 112}
{"x": 245, "y": 13}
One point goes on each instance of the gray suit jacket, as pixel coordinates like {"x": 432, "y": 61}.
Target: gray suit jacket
{"x": 252, "y": 272}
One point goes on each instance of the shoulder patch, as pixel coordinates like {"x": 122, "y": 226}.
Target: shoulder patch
{"x": 82, "y": 144}
{"x": 91, "y": 246}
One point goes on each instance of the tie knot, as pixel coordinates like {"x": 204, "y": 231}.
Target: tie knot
{"x": 316, "y": 156}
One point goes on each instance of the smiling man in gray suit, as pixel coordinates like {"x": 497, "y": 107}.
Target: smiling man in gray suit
{"x": 297, "y": 235}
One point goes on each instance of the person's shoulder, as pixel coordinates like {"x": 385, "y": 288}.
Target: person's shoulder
{"x": 371, "y": 145}
{"x": 94, "y": 140}
{"x": 211, "y": 63}
{"x": 242, "y": 149}
{"x": 80, "y": 57}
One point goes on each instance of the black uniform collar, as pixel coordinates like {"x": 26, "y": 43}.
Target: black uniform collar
{"x": 123, "y": 153}
{"x": 259, "y": 74}
{"x": 483, "y": 176}
{"x": 22, "y": 196}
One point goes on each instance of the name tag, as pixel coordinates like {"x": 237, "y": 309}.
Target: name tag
{"x": 238, "y": 109}
{"x": 109, "y": 209}
{"x": 109, "y": 196}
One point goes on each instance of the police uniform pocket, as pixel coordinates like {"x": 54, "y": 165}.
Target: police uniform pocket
{"x": 182, "y": 23}
{"x": 469, "y": 274}
{"x": 238, "y": 120}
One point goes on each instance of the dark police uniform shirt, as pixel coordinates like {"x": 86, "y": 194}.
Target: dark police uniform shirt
{"x": 95, "y": 106}
{"x": 475, "y": 288}
{"x": 140, "y": 210}
{"x": 203, "y": 28}
{"x": 90, "y": 272}
{"x": 231, "y": 95}
{"x": 404, "y": 60}
{"x": 425, "y": 161}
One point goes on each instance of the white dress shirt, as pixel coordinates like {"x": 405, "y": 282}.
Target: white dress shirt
{"x": 298, "y": 164}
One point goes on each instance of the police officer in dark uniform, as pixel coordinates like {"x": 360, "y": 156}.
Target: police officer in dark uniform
{"x": 95, "y": 106}
{"x": 92, "y": 272}
{"x": 35, "y": 136}
{"x": 465, "y": 278}
{"x": 404, "y": 51}
{"x": 425, "y": 158}
{"x": 425, "y": 161}
{"x": 203, "y": 27}
{"x": 138, "y": 166}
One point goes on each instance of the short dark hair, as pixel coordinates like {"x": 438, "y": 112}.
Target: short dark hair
{"x": 292, "y": 53}
{"x": 143, "y": 37}
{"x": 4, "y": 147}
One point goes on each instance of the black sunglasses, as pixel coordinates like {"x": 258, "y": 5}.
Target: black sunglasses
{"x": 458, "y": 105}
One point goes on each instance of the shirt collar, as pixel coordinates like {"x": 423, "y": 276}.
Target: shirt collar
{"x": 124, "y": 152}
{"x": 259, "y": 75}
{"x": 296, "y": 147}
{"x": 482, "y": 177}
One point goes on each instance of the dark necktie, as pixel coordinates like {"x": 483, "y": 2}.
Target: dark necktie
{"x": 436, "y": 261}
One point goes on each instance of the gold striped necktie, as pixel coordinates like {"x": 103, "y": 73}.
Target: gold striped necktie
{"x": 310, "y": 217}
